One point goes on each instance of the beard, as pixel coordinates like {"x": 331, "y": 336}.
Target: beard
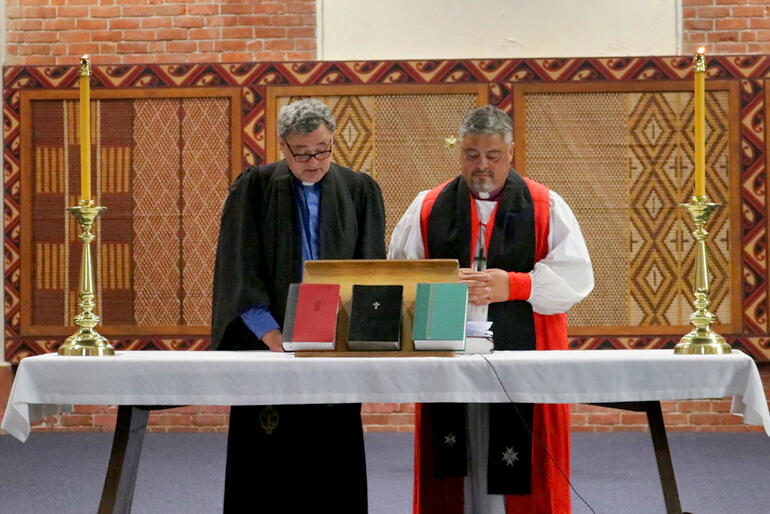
{"x": 484, "y": 183}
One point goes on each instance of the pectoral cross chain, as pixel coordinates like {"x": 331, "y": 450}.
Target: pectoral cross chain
{"x": 480, "y": 260}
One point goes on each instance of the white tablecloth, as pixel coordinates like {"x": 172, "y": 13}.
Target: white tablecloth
{"x": 49, "y": 384}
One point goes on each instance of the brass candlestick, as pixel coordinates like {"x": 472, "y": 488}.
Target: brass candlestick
{"x": 701, "y": 340}
{"x": 86, "y": 341}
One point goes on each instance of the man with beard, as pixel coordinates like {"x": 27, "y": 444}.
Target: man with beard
{"x": 523, "y": 256}
{"x": 291, "y": 458}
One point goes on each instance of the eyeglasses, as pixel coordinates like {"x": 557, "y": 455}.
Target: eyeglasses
{"x": 305, "y": 157}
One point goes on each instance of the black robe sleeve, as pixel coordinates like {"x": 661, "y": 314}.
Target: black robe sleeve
{"x": 259, "y": 251}
{"x": 371, "y": 210}
{"x": 237, "y": 287}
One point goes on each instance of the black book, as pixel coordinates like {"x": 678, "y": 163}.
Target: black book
{"x": 375, "y": 318}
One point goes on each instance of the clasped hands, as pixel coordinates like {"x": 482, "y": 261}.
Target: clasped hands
{"x": 485, "y": 287}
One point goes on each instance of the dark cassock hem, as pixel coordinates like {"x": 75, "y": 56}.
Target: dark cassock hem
{"x": 295, "y": 459}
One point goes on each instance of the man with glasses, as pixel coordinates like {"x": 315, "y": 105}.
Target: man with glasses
{"x": 301, "y": 458}
{"x": 523, "y": 256}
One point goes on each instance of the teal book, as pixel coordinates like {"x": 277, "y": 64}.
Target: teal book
{"x": 439, "y": 316}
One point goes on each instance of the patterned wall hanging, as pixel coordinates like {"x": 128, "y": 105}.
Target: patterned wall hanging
{"x": 645, "y": 156}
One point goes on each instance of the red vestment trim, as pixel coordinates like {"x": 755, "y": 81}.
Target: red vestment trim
{"x": 550, "y": 425}
{"x": 519, "y": 285}
{"x": 550, "y": 490}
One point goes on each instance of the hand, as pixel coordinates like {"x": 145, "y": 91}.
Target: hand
{"x": 485, "y": 287}
{"x": 273, "y": 340}
{"x": 478, "y": 286}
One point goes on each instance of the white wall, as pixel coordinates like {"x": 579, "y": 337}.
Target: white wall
{"x": 461, "y": 29}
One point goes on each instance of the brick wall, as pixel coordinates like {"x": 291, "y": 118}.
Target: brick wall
{"x": 137, "y": 31}
{"x": 726, "y": 26}
{"x": 162, "y": 31}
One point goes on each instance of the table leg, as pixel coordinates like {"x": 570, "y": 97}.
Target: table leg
{"x": 660, "y": 445}
{"x": 663, "y": 457}
{"x": 118, "y": 491}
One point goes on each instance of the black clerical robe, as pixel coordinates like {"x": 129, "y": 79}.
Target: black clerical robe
{"x": 289, "y": 458}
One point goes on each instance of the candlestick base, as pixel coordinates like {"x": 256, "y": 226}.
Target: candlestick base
{"x": 701, "y": 342}
{"x": 86, "y": 341}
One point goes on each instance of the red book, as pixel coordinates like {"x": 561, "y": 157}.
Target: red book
{"x": 311, "y": 317}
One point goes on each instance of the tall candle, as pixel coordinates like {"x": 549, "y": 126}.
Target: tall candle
{"x": 700, "y": 123}
{"x": 85, "y": 128}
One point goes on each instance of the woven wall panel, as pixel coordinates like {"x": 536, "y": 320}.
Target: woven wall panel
{"x": 353, "y": 141}
{"x": 161, "y": 167}
{"x": 624, "y": 162}
{"x": 661, "y": 159}
{"x": 112, "y": 166}
{"x": 584, "y": 162}
{"x": 205, "y": 160}
{"x": 156, "y": 212}
{"x": 410, "y": 155}
{"x": 744, "y": 77}
{"x": 354, "y": 144}
{"x": 399, "y": 140}
{"x": 50, "y": 255}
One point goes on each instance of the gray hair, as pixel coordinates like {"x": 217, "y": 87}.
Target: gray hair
{"x": 303, "y": 117}
{"x": 487, "y": 120}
